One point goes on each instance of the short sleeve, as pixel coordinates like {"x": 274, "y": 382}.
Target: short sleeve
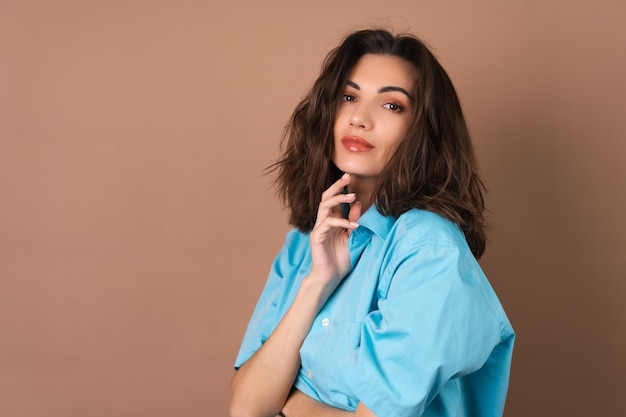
{"x": 436, "y": 322}
{"x": 266, "y": 314}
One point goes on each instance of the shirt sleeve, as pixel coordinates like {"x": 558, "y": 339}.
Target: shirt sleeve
{"x": 436, "y": 322}
{"x": 271, "y": 303}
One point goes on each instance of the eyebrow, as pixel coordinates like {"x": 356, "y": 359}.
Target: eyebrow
{"x": 385, "y": 89}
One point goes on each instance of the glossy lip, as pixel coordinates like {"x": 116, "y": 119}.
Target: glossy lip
{"x": 356, "y": 144}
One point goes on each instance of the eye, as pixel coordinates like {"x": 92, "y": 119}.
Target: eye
{"x": 348, "y": 97}
{"x": 394, "y": 107}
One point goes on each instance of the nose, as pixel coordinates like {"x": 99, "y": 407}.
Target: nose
{"x": 360, "y": 118}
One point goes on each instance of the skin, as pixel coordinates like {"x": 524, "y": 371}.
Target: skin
{"x": 374, "y": 108}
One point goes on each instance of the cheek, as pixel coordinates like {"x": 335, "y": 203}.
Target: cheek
{"x": 401, "y": 133}
{"x": 395, "y": 142}
{"x": 338, "y": 127}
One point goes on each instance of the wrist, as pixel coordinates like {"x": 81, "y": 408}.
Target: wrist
{"x": 316, "y": 290}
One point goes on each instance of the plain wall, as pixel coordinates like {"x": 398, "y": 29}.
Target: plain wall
{"x": 137, "y": 227}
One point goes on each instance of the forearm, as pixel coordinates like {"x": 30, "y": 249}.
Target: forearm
{"x": 261, "y": 386}
{"x": 301, "y": 405}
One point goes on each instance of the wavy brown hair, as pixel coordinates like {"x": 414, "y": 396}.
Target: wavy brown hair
{"x": 433, "y": 168}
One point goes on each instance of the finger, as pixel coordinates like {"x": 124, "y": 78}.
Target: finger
{"x": 340, "y": 222}
{"x": 332, "y": 223}
{"x": 326, "y": 207}
{"x": 355, "y": 212}
{"x": 354, "y": 215}
{"x": 336, "y": 200}
{"x": 337, "y": 187}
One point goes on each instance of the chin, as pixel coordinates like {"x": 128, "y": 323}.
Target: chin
{"x": 353, "y": 167}
{"x": 345, "y": 166}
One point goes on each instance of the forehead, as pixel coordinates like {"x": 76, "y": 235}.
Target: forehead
{"x": 383, "y": 70}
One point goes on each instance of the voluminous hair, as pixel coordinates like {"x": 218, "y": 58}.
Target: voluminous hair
{"x": 433, "y": 168}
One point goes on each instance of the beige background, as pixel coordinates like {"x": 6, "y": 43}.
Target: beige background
{"x": 136, "y": 227}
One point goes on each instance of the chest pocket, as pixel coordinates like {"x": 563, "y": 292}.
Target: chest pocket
{"x": 330, "y": 347}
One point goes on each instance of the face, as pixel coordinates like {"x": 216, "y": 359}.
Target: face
{"x": 374, "y": 114}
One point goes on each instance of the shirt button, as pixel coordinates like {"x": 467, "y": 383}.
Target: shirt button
{"x": 309, "y": 374}
{"x": 325, "y": 322}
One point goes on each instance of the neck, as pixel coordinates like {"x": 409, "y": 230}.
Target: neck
{"x": 363, "y": 187}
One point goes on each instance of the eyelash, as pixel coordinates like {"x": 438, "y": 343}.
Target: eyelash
{"x": 398, "y": 108}
{"x": 394, "y": 107}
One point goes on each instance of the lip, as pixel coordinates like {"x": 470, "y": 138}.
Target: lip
{"x": 356, "y": 144}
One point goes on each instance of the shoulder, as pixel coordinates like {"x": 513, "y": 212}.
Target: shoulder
{"x": 427, "y": 249}
{"x": 296, "y": 240}
{"x": 417, "y": 228}
{"x": 294, "y": 250}
{"x": 424, "y": 246}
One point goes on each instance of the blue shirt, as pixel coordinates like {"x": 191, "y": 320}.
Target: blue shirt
{"x": 415, "y": 329}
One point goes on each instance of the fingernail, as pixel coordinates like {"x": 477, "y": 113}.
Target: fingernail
{"x": 354, "y": 224}
{"x": 346, "y": 175}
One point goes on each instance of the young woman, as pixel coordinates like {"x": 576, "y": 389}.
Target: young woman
{"x": 376, "y": 305}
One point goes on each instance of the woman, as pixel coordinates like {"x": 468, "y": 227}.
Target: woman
{"x": 376, "y": 305}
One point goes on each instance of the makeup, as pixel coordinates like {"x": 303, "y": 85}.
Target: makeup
{"x": 356, "y": 144}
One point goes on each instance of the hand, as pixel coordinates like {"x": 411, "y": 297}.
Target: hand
{"x": 329, "y": 237}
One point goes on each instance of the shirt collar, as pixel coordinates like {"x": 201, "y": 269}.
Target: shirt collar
{"x": 373, "y": 220}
